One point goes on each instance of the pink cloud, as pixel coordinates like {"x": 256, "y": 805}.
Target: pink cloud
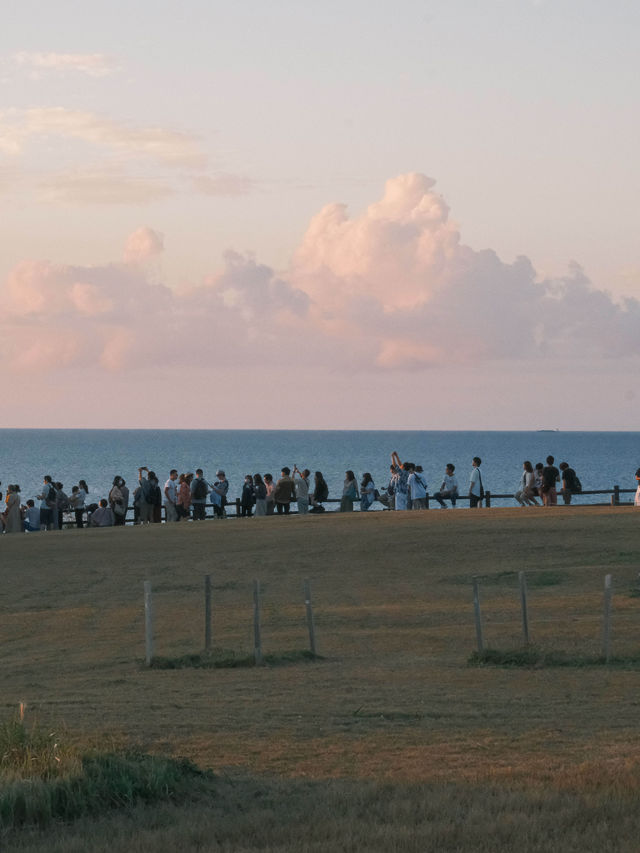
{"x": 393, "y": 288}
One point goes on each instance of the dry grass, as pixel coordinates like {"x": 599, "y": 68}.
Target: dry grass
{"x": 394, "y": 702}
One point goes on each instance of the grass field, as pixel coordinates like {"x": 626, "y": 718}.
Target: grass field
{"x": 391, "y": 741}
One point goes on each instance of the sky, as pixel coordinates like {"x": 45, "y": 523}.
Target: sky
{"x": 367, "y": 215}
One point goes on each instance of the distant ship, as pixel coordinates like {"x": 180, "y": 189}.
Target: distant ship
{"x": 548, "y": 430}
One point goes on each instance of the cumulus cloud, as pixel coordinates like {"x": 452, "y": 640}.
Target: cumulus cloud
{"x": 93, "y": 64}
{"x": 393, "y": 288}
{"x": 142, "y": 244}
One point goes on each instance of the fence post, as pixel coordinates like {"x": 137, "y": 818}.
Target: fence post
{"x": 427, "y": 498}
{"x": 148, "y": 622}
{"x": 238, "y": 510}
{"x": 310, "y": 625}
{"x": 487, "y": 499}
{"x": 523, "y": 604}
{"x": 207, "y": 613}
{"x": 257, "y": 643}
{"x": 478, "y": 615}
{"x": 606, "y": 632}
{"x": 616, "y": 495}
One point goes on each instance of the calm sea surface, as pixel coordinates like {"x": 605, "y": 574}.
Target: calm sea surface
{"x": 601, "y": 459}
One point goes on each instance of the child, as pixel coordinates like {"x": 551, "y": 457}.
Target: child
{"x": 31, "y": 518}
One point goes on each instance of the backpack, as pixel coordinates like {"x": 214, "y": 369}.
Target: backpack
{"x": 50, "y": 499}
{"x": 199, "y": 489}
{"x": 577, "y": 485}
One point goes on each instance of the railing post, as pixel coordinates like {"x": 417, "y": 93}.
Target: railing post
{"x": 207, "y": 613}
{"x": 478, "y": 615}
{"x": 523, "y": 606}
{"x": 487, "y": 499}
{"x": 427, "y": 500}
{"x": 148, "y": 622}
{"x": 616, "y": 495}
{"x": 257, "y": 640}
{"x": 238, "y": 510}
{"x": 606, "y": 627}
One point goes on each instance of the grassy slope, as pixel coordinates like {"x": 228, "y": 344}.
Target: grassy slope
{"x": 393, "y": 702}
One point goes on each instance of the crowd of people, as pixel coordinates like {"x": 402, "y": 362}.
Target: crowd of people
{"x": 187, "y": 495}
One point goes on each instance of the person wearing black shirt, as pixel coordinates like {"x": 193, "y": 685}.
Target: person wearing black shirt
{"x": 550, "y": 476}
{"x": 569, "y": 482}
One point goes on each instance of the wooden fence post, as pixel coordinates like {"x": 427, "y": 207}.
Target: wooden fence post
{"x": 310, "y": 625}
{"x": 478, "y": 615}
{"x": 257, "y": 642}
{"x": 148, "y": 622}
{"x": 487, "y": 499}
{"x": 523, "y": 605}
{"x": 606, "y": 628}
{"x": 207, "y": 613}
{"x": 616, "y": 495}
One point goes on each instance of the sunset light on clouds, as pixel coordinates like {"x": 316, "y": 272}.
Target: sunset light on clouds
{"x": 425, "y": 218}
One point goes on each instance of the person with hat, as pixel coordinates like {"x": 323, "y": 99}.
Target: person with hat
{"x": 220, "y": 488}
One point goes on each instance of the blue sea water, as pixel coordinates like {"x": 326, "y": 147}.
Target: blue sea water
{"x": 601, "y": 459}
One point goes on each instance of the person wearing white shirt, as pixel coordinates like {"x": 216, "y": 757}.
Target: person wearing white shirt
{"x": 417, "y": 489}
{"x": 449, "y": 487}
{"x": 171, "y": 496}
{"x": 476, "y": 489}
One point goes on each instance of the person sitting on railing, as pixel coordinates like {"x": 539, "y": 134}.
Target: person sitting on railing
{"x": 571, "y": 485}
{"x": 320, "y": 493}
{"x": 449, "y": 487}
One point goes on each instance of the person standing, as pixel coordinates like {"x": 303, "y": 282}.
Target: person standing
{"x": 183, "y": 496}
{"x": 199, "y": 491}
{"x": 349, "y": 492}
{"x": 637, "y": 497}
{"x": 221, "y": 489}
{"x": 302, "y": 489}
{"x": 417, "y": 489}
{"x": 247, "y": 498}
{"x": 476, "y": 489}
{"x": 550, "y": 476}
{"x": 285, "y": 491}
{"x": 270, "y": 487}
{"x": 449, "y": 487}
{"x": 76, "y": 501}
{"x": 116, "y": 502}
{"x": 261, "y": 495}
{"x": 13, "y": 516}
{"x": 125, "y": 498}
{"x": 367, "y": 492}
{"x": 401, "y": 482}
{"x": 147, "y": 496}
{"x": 171, "y": 496}
{"x": 47, "y": 503}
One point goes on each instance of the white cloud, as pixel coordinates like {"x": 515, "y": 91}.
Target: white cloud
{"x": 93, "y": 64}
{"x": 163, "y": 145}
{"x": 103, "y": 185}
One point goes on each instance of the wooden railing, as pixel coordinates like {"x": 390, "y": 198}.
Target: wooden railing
{"x": 234, "y": 509}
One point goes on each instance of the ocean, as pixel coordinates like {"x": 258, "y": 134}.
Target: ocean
{"x": 601, "y": 459}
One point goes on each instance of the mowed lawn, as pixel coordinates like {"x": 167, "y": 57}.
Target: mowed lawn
{"x": 391, "y": 741}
